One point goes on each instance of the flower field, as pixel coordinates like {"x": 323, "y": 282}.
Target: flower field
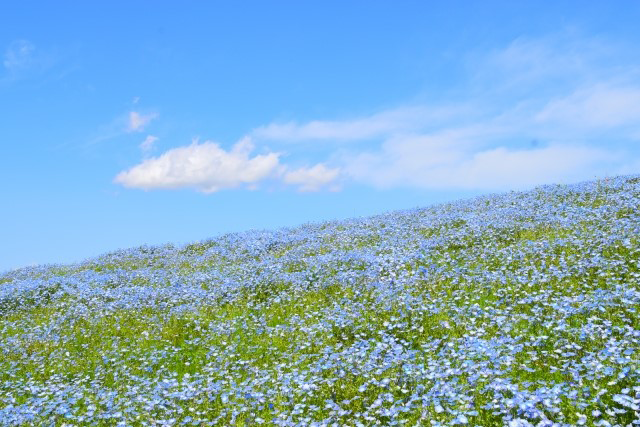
{"x": 515, "y": 309}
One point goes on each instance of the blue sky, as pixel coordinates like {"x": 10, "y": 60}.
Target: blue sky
{"x": 132, "y": 123}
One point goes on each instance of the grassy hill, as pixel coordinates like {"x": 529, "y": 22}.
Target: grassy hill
{"x": 518, "y": 309}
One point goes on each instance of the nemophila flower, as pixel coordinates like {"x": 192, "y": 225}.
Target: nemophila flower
{"x": 521, "y": 307}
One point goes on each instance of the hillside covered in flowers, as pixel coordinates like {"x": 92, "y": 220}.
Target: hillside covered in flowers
{"x": 516, "y": 309}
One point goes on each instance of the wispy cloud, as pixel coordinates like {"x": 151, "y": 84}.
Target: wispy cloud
{"x": 147, "y": 144}
{"x": 313, "y": 178}
{"x": 373, "y": 126}
{"x": 19, "y": 56}
{"x": 603, "y": 106}
{"x": 22, "y": 60}
{"x": 536, "y": 111}
{"x": 137, "y": 121}
{"x": 123, "y": 124}
{"x": 442, "y": 162}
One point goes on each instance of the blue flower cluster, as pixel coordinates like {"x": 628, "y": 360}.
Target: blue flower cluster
{"x": 517, "y": 309}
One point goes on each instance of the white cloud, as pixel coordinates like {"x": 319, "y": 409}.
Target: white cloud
{"x": 19, "y": 55}
{"x": 444, "y": 162}
{"x": 148, "y": 142}
{"x": 376, "y": 125}
{"x": 137, "y": 121}
{"x": 538, "y": 111}
{"x": 526, "y": 60}
{"x": 312, "y": 179}
{"x": 504, "y": 168}
{"x": 545, "y": 66}
{"x": 597, "y": 106}
{"x": 206, "y": 167}
{"x": 496, "y": 154}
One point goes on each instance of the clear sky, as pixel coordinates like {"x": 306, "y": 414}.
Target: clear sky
{"x": 131, "y": 122}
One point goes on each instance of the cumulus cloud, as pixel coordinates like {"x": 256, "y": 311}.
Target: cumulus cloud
{"x": 205, "y": 167}
{"x": 137, "y": 122}
{"x": 147, "y": 144}
{"x": 314, "y": 178}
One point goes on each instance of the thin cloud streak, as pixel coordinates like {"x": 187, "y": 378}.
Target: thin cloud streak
{"x": 138, "y": 121}
{"x": 23, "y": 61}
{"x": 444, "y": 164}
{"x": 599, "y": 106}
{"x": 19, "y": 56}
{"x": 147, "y": 144}
{"x": 314, "y": 178}
{"x": 529, "y": 118}
{"x": 388, "y": 122}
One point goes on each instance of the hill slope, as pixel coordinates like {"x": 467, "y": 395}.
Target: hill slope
{"x": 516, "y": 309}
